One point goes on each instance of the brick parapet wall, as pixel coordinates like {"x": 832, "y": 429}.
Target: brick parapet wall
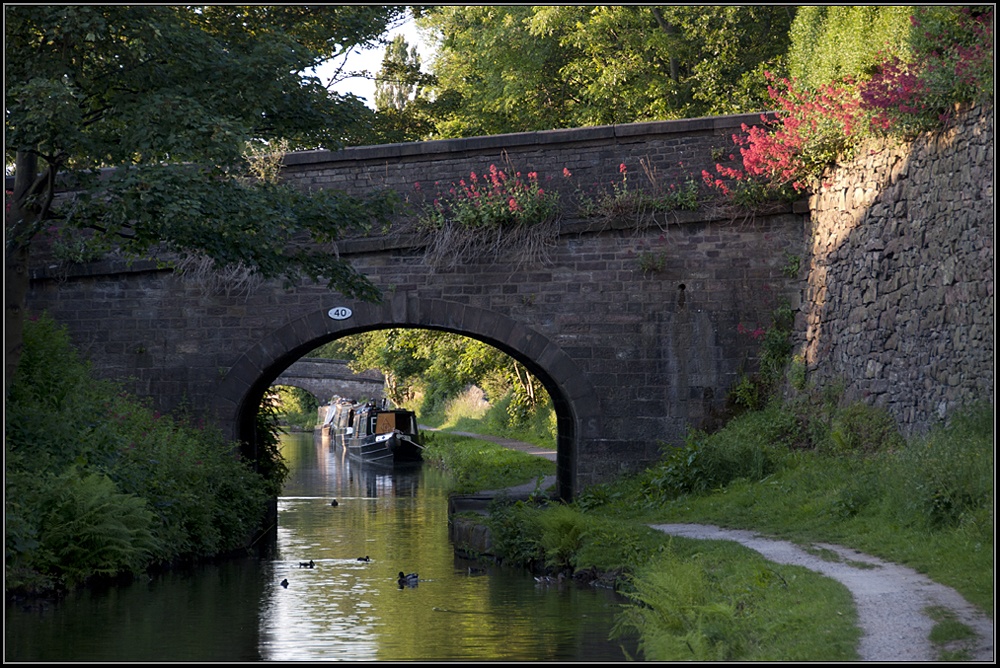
{"x": 671, "y": 152}
{"x": 899, "y": 304}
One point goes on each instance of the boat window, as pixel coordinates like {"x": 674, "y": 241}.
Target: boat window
{"x": 386, "y": 422}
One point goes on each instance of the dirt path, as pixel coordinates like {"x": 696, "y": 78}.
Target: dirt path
{"x": 890, "y": 599}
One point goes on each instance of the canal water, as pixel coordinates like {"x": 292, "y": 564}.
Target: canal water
{"x": 341, "y": 608}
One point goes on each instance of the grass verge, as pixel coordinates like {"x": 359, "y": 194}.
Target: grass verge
{"x": 476, "y": 465}
{"x": 834, "y": 474}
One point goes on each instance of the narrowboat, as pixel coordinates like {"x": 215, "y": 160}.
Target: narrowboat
{"x": 376, "y": 433}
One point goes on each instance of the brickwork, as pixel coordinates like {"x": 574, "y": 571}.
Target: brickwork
{"x": 630, "y": 357}
{"x": 667, "y": 152}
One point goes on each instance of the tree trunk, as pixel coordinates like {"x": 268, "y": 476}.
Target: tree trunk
{"x": 20, "y": 218}
{"x": 670, "y": 30}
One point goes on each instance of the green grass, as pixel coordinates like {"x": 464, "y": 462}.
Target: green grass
{"x": 469, "y": 412}
{"x": 719, "y": 601}
{"x": 477, "y": 465}
{"x": 948, "y": 634}
{"x": 927, "y": 504}
{"x": 803, "y": 473}
{"x": 807, "y": 471}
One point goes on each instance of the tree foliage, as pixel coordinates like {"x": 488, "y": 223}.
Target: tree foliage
{"x": 398, "y": 82}
{"x": 517, "y": 68}
{"x": 831, "y": 42}
{"x": 401, "y": 101}
{"x": 169, "y": 97}
{"x": 440, "y": 365}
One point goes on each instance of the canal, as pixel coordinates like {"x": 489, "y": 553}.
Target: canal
{"x": 340, "y": 608}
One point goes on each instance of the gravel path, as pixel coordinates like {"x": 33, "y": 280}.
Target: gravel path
{"x": 890, "y": 599}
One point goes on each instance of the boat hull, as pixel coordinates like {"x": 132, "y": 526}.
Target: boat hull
{"x": 385, "y": 449}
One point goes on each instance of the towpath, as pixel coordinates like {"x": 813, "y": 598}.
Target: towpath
{"x": 892, "y": 601}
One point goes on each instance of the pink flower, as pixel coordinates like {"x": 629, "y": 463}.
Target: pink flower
{"x": 566, "y": 172}
{"x": 622, "y": 168}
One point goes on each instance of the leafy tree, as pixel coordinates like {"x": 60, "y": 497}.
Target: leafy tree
{"x": 397, "y": 83}
{"x": 517, "y": 68}
{"x": 442, "y": 364}
{"x": 169, "y": 96}
{"x": 400, "y": 101}
{"x": 831, "y": 42}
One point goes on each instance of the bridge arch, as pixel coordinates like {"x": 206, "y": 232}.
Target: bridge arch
{"x": 574, "y": 399}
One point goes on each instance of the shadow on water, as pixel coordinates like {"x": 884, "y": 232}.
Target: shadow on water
{"x": 340, "y": 608}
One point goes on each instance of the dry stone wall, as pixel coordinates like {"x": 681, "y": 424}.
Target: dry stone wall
{"x": 899, "y": 303}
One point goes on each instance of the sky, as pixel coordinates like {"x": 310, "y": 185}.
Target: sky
{"x": 371, "y": 60}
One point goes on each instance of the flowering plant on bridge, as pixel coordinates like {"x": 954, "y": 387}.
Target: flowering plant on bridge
{"x": 790, "y": 149}
{"x": 950, "y": 62}
{"x": 491, "y": 200}
{"x": 494, "y": 215}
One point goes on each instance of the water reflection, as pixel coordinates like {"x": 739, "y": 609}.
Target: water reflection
{"x": 346, "y": 609}
{"x": 341, "y": 608}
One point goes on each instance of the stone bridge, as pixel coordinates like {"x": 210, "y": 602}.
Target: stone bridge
{"x": 324, "y": 378}
{"x": 632, "y": 323}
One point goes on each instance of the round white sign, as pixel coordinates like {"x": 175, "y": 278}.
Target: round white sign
{"x": 340, "y": 313}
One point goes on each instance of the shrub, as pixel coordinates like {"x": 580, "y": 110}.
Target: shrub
{"x": 516, "y": 533}
{"x": 90, "y": 528}
{"x": 563, "y": 529}
{"x": 904, "y": 82}
{"x": 860, "y": 428}
{"x": 97, "y": 483}
{"x": 948, "y": 475}
{"x": 752, "y": 447}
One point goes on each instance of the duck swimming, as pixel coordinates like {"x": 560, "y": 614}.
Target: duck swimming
{"x": 407, "y": 580}
{"x": 365, "y": 558}
{"x": 334, "y": 503}
{"x": 307, "y": 564}
{"x": 284, "y": 583}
